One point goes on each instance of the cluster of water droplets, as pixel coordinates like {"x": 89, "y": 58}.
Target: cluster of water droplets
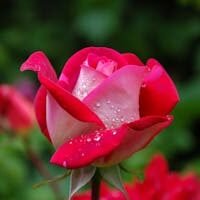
{"x": 83, "y": 88}
{"x": 113, "y": 117}
{"x": 95, "y": 139}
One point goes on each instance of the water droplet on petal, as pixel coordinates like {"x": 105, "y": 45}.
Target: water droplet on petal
{"x": 143, "y": 85}
{"x": 114, "y": 132}
{"x": 89, "y": 140}
{"x": 122, "y": 119}
{"x": 148, "y": 69}
{"x": 98, "y": 105}
{"x": 169, "y": 117}
{"x": 82, "y": 154}
{"x": 70, "y": 142}
{"x": 64, "y": 163}
{"x": 97, "y": 138}
{"x": 132, "y": 118}
{"x": 84, "y": 86}
{"x": 108, "y": 102}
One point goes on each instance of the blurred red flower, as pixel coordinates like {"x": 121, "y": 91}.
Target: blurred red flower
{"x": 16, "y": 112}
{"x": 159, "y": 184}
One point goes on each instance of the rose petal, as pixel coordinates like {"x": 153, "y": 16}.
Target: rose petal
{"x": 116, "y": 100}
{"x": 132, "y": 59}
{"x": 84, "y": 149}
{"x": 88, "y": 79}
{"x": 40, "y": 110}
{"x": 71, "y": 68}
{"x": 38, "y": 62}
{"x": 61, "y": 125}
{"x": 69, "y": 103}
{"x": 140, "y": 133}
{"x": 159, "y": 95}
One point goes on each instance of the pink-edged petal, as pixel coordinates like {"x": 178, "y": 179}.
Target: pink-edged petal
{"x": 40, "y": 110}
{"x": 72, "y": 67}
{"x": 68, "y": 102}
{"x": 85, "y": 149}
{"x": 159, "y": 95}
{"x": 140, "y": 133}
{"x": 61, "y": 125}
{"x": 88, "y": 79}
{"x": 116, "y": 100}
{"x": 132, "y": 59}
{"x": 38, "y": 62}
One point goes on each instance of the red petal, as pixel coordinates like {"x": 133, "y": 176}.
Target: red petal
{"x": 69, "y": 103}
{"x": 141, "y": 132}
{"x": 85, "y": 149}
{"x": 19, "y": 111}
{"x": 159, "y": 95}
{"x": 132, "y": 59}
{"x": 38, "y": 62}
{"x": 40, "y": 110}
{"x": 157, "y": 169}
{"x": 72, "y": 66}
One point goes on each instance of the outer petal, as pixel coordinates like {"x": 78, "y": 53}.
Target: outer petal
{"x": 38, "y": 62}
{"x": 40, "y": 110}
{"x": 68, "y": 102}
{"x": 116, "y": 100}
{"x": 84, "y": 149}
{"x": 61, "y": 125}
{"x": 159, "y": 95}
{"x": 71, "y": 68}
{"x": 141, "y": 132}
{"x": 132, "y": 59}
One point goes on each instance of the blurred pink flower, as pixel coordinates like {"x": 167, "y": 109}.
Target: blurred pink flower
{"x": 16, "y": 111}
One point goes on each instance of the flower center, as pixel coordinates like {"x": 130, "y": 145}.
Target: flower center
{"x": 102, "y": 64}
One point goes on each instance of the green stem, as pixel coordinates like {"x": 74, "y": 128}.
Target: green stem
{"x": 41, "y": 168}
{"x": 96, "y": 181}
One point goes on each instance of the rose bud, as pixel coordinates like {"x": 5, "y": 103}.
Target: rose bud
{"x": 104, "y": 106}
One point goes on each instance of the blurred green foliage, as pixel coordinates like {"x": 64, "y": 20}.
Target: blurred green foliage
{"x": 166, "y": 30}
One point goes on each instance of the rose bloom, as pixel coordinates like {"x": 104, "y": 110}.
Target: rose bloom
{"x": 159, "y": 184}
{"x": 104, "y": 106}
{"x": 16, "y": 111}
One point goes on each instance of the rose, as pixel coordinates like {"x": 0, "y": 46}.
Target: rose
{"x": 104, "y": 107}
{"x": 159, "y": 183}
{"x": 16, "y": 112}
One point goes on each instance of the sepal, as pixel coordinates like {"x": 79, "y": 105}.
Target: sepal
{"x": 113, "y": 176}
{"x": 79, "y": 178}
